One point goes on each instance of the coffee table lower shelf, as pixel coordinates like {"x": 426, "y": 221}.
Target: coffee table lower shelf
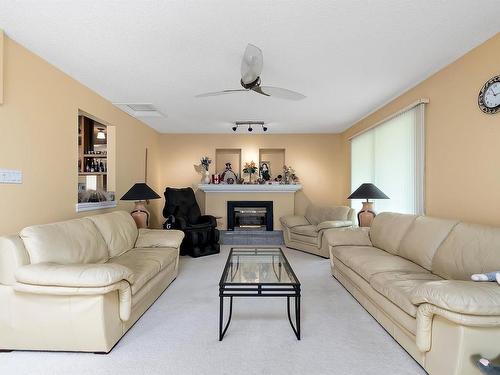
{"x": 224, "y": 294}
{"x": 277, "y": 267}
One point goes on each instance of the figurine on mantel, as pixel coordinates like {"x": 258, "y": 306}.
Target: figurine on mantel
{"x": 228, "y": 176}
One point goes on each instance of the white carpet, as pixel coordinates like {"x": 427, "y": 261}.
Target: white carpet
{"x": 179, "y": 333}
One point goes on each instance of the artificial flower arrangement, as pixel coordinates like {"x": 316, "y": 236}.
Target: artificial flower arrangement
{"x": 205, "y": 162}
{"x": 289, "y": 176}
{"x": 250, "y": 169}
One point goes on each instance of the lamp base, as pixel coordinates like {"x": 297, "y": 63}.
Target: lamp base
{"x": 140, "y": 215}
{"x": 366, "y": 215}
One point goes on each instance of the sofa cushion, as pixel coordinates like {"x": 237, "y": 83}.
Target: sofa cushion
{"x": 305, "y": 230}
{"x": 348, "y": 237}
{"x": 305, "y": 239}
{"x": 465, "y": 297}
{"x": 468, "y": 249}
{"x": 291, "y": 221}
{"x": 74, "y": 275}
{"x": 368, "y": 296}
{"x": 329, "y": 224}
{"x": 423, "y": 238}
{"x": 118, "y": 230}
{"x": 317, "y": 214}
{"x": 146, "y": 263}
{"x": 397, "y": 287}
{"x": 388, "y": 229}
{"x": 159, "y": 238}
{"x": 72, "y": 241}
{"x": 367, "y": 261}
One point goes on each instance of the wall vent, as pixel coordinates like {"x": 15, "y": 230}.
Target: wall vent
{"x": 140, "y": 109}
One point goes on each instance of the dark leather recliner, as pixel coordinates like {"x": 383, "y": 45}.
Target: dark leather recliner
{"x": 182, "y": 212}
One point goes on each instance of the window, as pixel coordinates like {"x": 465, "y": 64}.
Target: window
{"x": 95, "y": 164}
{"x": 391, "y": 156}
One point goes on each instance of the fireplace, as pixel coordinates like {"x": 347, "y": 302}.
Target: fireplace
{"x": 250, "y": 215}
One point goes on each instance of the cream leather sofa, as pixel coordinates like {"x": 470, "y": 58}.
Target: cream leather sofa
{"x": 412, "y": 273}
{"x": 306, "y": 232}
{"x": 79, "y": 285}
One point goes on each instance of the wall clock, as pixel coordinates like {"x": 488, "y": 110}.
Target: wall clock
{"x": 489, "y": 96}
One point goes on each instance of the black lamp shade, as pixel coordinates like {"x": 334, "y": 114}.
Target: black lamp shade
{"x": 368, "y": 191}
{"x": 140, "y": 192}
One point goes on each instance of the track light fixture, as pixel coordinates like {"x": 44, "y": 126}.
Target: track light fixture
{"x": 249, "y": 124}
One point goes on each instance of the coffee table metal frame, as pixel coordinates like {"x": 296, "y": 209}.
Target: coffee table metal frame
{"x": 231, "y": 290}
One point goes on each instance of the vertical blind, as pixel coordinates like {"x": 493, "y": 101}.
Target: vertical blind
{"x": 391, "y": 156}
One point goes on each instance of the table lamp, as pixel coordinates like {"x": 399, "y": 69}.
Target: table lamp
{"x": 140, "y": 193}
{"x": 367, "y": 191}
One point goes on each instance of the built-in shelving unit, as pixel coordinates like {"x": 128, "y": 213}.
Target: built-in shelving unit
{"x": 92, "y": 151}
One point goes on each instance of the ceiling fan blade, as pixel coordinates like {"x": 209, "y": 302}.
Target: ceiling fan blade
{"x": 217, "y": 93}
{"x": 251, "y": 64}
{"x": 258, "y": 90}
{"x": 278, "y": 92}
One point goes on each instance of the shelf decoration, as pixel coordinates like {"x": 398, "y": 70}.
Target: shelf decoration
{"x": 250, "y": 169}
{"x": 205, "y": 164}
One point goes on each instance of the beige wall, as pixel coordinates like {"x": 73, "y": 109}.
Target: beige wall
{"x": 462, "y": 143}
{"x": 317, "y": 159}
{"x": 38, "y": 135}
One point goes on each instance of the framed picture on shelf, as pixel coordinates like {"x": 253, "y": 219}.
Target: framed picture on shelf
{"x": 265, "y": 170}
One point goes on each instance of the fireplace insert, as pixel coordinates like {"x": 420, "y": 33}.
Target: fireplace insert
{"x": 250, "y": 215}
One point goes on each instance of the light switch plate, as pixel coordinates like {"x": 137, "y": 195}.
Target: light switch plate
{"x": 11, "y": 176}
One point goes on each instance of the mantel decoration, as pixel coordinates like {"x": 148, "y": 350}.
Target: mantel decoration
{"x": 228, "y": 176}
{"x": 367, "y": 191}
{"x": 289, "y": 176}
{"x": 265, "y": 170}
{"x": 205, "y": 164}
{"x": 250, "y": 169}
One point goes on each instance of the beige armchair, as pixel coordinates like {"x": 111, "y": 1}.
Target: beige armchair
{"x": 306, "y": 232}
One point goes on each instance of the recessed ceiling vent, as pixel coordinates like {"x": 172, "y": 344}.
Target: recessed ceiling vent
{"x": 140, "y": 109}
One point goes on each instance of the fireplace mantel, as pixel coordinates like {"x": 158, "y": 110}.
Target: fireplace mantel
{"x": 236, "y": 188}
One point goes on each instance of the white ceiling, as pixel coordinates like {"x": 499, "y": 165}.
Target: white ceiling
{"x": 348, "y": 57}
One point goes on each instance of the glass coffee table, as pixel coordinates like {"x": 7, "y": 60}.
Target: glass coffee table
{"x": 258, "y": 272}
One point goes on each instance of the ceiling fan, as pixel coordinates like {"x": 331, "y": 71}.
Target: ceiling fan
{"x": 251, "y": 68}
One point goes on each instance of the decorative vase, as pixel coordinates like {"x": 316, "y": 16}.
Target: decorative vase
{"x": 140, "y": 214}
{"x": 205, "y": 179}
{"x": 366, "y": 215}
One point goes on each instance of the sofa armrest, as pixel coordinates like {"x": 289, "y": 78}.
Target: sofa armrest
{"x": 348, "y": 237}
{"x": 291, "y": 221}
{"x": 122, "y": 287}
{"x": 465, "y": 297}
{"x": 159, "y": 238}
{"x": 425, "y": 317}
{"x": 333, "y": 224}
{"x": 73, "y": 275}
